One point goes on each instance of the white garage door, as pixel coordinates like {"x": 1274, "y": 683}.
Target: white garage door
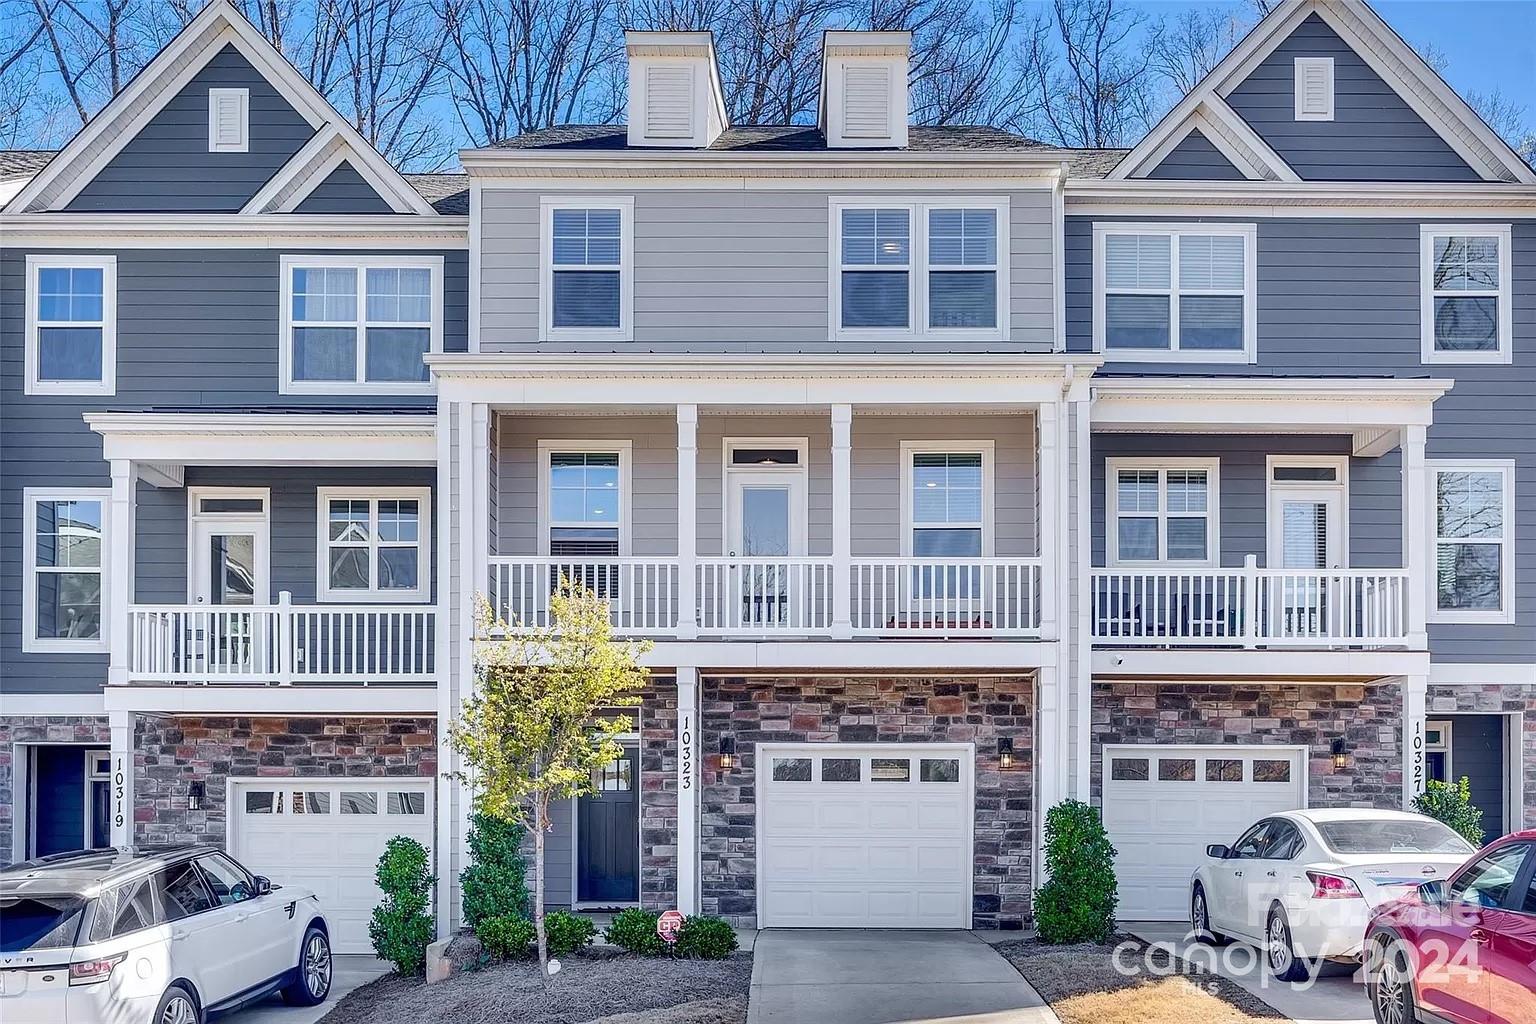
{"x": 1164, "y": 805}
{"x": 328, "y": 837}
{"x": 875, "y": 836}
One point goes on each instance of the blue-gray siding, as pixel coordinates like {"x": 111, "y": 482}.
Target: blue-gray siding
{"x": 1374, "y": 135}
{"x": 167, "y": 166}
{"x": 343, "y": 191}
{"x": 1340, "y": 296}
{"x": 1196, "y": 157}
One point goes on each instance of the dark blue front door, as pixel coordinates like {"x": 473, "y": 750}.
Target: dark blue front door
{"x": 59, "y": 800}
{"x": 608, "y": 835}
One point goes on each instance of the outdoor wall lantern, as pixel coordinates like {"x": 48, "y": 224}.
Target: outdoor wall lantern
{"x": 1340, "y": 755}
{"x": 195, "y": 796}
{"x": 1005, "y": 753}
{"x": 727, "y": 753}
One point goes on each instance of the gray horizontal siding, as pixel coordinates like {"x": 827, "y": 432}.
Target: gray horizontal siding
{"x": 343, "y": 191}
{"x": 1374, "y": 135}
{"x": 167, "y": 166}
{"x": 1196, "y": 157}
{"x": 733, "y": 271}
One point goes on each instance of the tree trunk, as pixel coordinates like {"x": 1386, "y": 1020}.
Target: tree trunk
{"x": 540, "y": 817}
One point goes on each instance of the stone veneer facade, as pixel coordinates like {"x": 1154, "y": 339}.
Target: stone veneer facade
{"x": 1369, "y": 718}
{"x": 16, "y": 729}
{"x": 658, "y": 795}
{"x": 172, "y": 753}
{"x": 1495, "y": 700}
{"x": 870, "y": 710}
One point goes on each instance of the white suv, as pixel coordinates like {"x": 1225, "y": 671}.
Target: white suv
{"x": 159, "y": 936}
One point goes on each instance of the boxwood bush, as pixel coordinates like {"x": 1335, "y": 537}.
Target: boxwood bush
{"x": 401, "y": 929}
{"x": 705, "y": 938}
{"x": 494, "y": 884}
{"x": 1451, "y": 803}
{"x": 1077, "y": 902}
{"x": 506, "y": 937}
{"x": 634, "y": 929}
{"x": 567, "y": 933}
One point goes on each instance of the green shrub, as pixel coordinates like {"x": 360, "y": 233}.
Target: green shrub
{"x": 1077, "y": 902}
{"x": 401, "y": 928}
{"x": 566, "y": 932}
{"x": 494, "y": 884}
{"x": 705, "y": 938}
{"x": 635, "y": 930}
{"x": 1452, "y": 804}
{"x": 506, "y": 938}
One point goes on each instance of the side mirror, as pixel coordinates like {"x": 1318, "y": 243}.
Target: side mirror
{"x": 263, "y": 885}
{"x": 1217, "y": 851}
{"x": 1433, "y": 892}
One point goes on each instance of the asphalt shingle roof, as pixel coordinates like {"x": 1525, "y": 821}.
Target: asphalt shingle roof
{"x": 23, "y": 163}
{"x": 448, "y": 193}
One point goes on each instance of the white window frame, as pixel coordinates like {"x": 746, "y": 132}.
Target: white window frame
{"x": 244, "y": 97}
{"x": 107, "y": 385}
{"x": 361, "y": 264}
{"x": 623, "y": 449}
{"x": 1504, "y": 353}
{"x": 373, "y": 595}
{"x": 917, "y": 267}
{"x": 31, "y": 643}
{"x": 1301, "y": 65}
{"x": 625, "y": 205}
{"x": 1212, "y": 468}
{"x": 1173, "y": 353}
{"x": 1505, "y": 614}
{"x": 988, "y": 452}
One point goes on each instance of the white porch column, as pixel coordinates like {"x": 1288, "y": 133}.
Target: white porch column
{"x": 687, "y": 522}
{"x": 1052, "y": 478}
{"x": 448, "y": 789}
{"x": 688, "y": 777}
{"x": 120, "y": 724}
{"x": 121, "y": 540}
{"x": 842, "y": 522}
{"x": 1416, "y": 542}
{"x": 1414, "y": 689}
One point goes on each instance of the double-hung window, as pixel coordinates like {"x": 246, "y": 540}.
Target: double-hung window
{"x": 71, "y": 325}
{"x": 948, "y": 511}
{"x": 587, "y": 248}
{"x": 584, "y": 515}
{"x": 360, "y": 324}
{"x": 375, "y": 544}
{"x": 1474, "y": 549}
{"x": 1465, "y": 293}
{"x": 919, "y": 268}
{"x": 1180, "y": 292}
{"x": 1161, "y": 511}
{"x": 64, "y": 560}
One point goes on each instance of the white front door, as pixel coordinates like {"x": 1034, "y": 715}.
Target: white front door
{"x": 765, "y": 514}
{"x": 1306, "y": 528}
{"x": 229, "y": 576}
{"x": 1163, "y": 805}
{"x": 865, "y": 836}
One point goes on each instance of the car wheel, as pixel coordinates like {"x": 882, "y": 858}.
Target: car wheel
{"x": 1389, "y": 987}
{"x": 1279, "y": 951}
{"x": 1200, "y": 919}
{"x": 314, "y": 971}
{"x": 178, "y": 1006}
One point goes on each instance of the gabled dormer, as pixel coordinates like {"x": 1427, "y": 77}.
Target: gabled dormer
{"x": 675, "y": 97}
{"x": 864, "y": 89}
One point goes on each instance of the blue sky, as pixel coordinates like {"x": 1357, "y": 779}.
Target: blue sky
{"x": 1491, "y": 43}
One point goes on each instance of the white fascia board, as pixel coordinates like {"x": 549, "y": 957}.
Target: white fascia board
{"x": 310, "y": 701}
{"x": 1443, "y": 673}
{"x": 234, "y": 231}
{"x": 1321, "y": 667}
{"x": 266, "y": 440}
{"x": 1220, "y": 126}
{"x": 50, "y": 704}
{"x": 301, "y": 164}
{"x": 1279, "y": 404}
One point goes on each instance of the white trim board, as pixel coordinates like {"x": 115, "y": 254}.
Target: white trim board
{"x": 267, "y": 439}
{"x": 1467, "y": 673}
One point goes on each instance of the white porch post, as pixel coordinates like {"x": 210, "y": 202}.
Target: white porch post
{"x": 688, "y": 777}
{"x": 1052, "y": 477}
{"x": 842, "y": 522}
{"x": 1414, "y": 690}
{"x": 122, "y": 539}
{"x": 1416, "y": 542}
{"x": 448, "y": 788}
{"x": 120, "y": 725}
{"x": 687, "y": 522}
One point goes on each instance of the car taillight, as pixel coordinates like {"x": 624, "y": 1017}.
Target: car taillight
{"x": 1332, "y": 887}
{"x": 93, "y": 972}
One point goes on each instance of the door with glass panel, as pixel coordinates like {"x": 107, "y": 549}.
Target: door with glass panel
{"x": 765, "y": 512}
{"x": 226, "y": 635}
{"x": 1305, "y": 535}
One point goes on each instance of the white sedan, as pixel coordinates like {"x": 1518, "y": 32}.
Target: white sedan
{"x": 1301, "y": 884}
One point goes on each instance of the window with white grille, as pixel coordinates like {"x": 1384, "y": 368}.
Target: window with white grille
{"x": 1314, "y": 88}
{"x": 1465, "y": 293}
{"x": 229, "y": 120}
{"x": 1474, "y": 541}
{"x": 1161, "y": 511}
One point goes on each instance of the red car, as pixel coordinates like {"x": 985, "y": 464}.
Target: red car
{"x": 1463, "y": 949}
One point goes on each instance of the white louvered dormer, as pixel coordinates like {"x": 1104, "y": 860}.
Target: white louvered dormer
{"x": 1314, "y": 88}
{"x": 229, "y": 120}
{"x": 675, "y": 98}
{"x": 864, "y": 89}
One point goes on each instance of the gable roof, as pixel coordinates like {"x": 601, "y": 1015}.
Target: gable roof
{"x": 1374, "y": 41}
{"x": 216, "y": 26}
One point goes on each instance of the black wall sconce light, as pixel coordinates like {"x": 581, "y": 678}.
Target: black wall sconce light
{"x": 1340, "y": 755}
{"x": 727, "y": 753}
{"x": 1005, "y": 753}
{"x": 195, "y": 794}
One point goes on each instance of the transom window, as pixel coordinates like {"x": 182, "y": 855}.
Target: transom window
{"x": 65, "y": 545}
{"x": 360, "y": 324}
{"x": 1161, "y": 512}
{"x": 587, "y": 255}
{"x": 71, "y": 326}
{"x": 919, "y": 266}
{"x": 1466, "y": 288}
{"x": 1175, "y": 292}
{"x": 374, "y": 544}
{"x": 1474, "y": 551}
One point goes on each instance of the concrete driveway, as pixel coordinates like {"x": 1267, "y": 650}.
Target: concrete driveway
{"x": 886, "y": 977}
{"x": 347, "y": 973}
{"x": 1335, "y": 997}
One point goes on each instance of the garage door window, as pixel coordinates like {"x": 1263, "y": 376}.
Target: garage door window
{"x": 1223, "y": 770}
{"x": 1176, "y": 769}
{"x": 1271, "y": 771}
{"x": 416, "y": 803}
{"x": 1128, "y": 769}
{"x": 791, "y": 769}
{"x": 890, "y": 769}
{"x": 311, "y": 802}
{"x": 841, "y": 769}
{"x": 359, "y": 803}
{"x": 263, "y": 802}
{"x": 945, "y": 769}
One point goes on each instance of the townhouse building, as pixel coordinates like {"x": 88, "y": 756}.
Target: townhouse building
{"x": 950, "y": 474}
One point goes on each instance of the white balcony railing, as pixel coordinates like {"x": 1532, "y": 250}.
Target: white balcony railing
{"x": 642, "y": 593}
{"x": 765, "y": 596}
{"x": 946, "y": 597}
{"x": 1251, "y": 607}
{"x": 282, "y": 644}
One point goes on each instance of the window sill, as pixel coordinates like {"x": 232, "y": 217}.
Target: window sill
{"x": 374, "y": 597}
{"x": 586, "y": 334}
{"x": 1501, "y": 356}
{"x": 1449, "y": 618}
{"x": 344, "y": 388}
{"x": 82, "y": 389}
{"x": 40, "y": 646}
{"x": 1161, "y": 355}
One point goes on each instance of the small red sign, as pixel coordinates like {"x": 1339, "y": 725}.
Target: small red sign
{"x": 668, "y": 924}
